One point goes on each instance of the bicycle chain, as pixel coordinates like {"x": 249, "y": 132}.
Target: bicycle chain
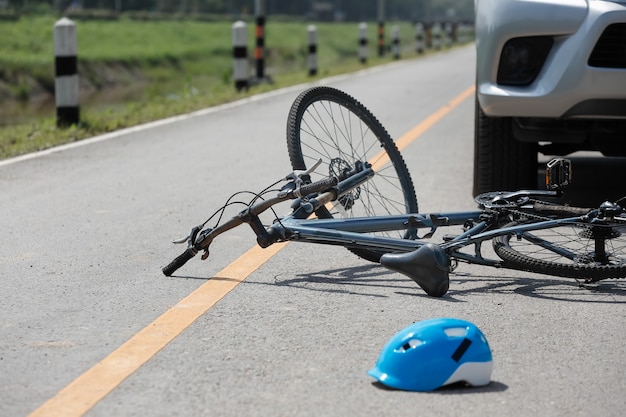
{"x": 530, "y": 215}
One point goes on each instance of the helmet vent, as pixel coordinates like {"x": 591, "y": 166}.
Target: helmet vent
{"x": 410, "y": 345}
{"x": 456, "y": 331}
{"x": 460, "y": 351}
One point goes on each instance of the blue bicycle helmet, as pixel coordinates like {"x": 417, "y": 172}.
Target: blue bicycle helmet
{"x": 432, "y": 353}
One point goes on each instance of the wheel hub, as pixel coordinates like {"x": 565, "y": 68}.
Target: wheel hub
{"x": 599, "y": 232}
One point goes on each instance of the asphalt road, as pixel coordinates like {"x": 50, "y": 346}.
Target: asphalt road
{"x": 90, "y": 326}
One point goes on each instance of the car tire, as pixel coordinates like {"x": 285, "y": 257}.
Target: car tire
{"x": 501, "y": 162}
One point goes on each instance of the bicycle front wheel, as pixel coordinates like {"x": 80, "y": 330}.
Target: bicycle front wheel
{"x": 328, "y": 124}
{"x": 580, "y": 250}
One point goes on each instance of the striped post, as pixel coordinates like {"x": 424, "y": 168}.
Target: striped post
{"x": 312, "y": 57}
{"x": 461, "y": 33}
{"x": 66, "y": 73}
{"x": 437, "y": 35}
{"x": 420, "y": 45}
{"x": 259, "y": 50}
{"x": 428, "y": 29}
{"x": 240, "y": 55}
{"x": 381, "y": 38}
{"x": 363, "y": 48}
{"x": 395, "y": 42}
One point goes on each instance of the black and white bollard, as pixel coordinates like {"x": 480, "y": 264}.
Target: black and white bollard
{"x": 240, "y": 55}
{"x": 448, "y": 34}
{"x": 312, "y": 56}
{"x": 420, "y": 44}
{"x": 363, "y": 47}
{"x": 461, "y": 33}
{"x": 437, "y": 35}
{"x": 395, "y": 42}
{"x": 66, "y": 73}
{"x": 259, "y": 50}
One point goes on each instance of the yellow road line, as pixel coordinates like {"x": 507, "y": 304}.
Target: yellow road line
{"x": 96, "y": 383}
{"x": 89, "y": 388}
{"x": 403, "y": 141}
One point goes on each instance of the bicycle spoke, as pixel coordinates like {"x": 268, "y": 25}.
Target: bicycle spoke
{"x": 328, "y": 124}
{"x": 591, "y": 251}
{"x": 550, "y": 247}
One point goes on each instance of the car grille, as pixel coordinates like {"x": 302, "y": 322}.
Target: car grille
{"x": 610, "y": 51}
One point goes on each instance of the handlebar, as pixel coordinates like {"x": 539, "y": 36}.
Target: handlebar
{"x": 249, "y": 215}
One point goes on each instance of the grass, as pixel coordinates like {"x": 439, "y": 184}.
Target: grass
{"x": 181, "y": 66}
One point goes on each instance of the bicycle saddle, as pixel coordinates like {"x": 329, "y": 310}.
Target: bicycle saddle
{"x": 428, "y": 266}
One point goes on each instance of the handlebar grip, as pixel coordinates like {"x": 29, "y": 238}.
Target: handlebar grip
{"x": 319, "y": 186}
{"x": 179, "y": 261}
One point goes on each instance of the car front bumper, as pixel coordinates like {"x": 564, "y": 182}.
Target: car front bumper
{"x": 566, "y": 86}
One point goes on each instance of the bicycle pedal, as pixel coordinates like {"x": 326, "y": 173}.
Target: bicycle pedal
{"x": 448, "y": 238}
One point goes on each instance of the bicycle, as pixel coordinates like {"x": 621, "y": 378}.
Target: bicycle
{"x": 364, "y": 200}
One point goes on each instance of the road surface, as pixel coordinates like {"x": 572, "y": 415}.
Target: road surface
{"x": 91, "y": 327}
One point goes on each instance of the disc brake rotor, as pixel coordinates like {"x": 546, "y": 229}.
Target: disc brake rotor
{"x": 337, "y": 167}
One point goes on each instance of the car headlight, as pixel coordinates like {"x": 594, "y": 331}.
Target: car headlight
{"x": 522, "y": 58}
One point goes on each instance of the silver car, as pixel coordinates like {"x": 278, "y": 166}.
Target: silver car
{"x": 550, "y": 79}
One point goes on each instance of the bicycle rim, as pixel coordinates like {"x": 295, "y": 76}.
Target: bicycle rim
{"x": 580, "y": 250}
{"x": 329, "y": 124}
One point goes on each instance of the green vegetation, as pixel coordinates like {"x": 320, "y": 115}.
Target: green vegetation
{"x": 138, "y": 71}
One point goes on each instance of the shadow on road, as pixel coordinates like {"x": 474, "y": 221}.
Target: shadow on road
{"x": 611, "y": 291}
{"x": 455, "y": 389}
{"x": 367, "y": 279}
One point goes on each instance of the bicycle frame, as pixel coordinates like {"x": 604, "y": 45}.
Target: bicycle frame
{"x": 424, "y": 261}
{"x": 352, "y": 232}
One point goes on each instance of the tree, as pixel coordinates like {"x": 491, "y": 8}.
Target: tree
{"x": 352, "y": 10}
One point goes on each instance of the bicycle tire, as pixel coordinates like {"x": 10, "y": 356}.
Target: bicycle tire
{"x": 584, "y": 259}
{"x": 329, "y": 124}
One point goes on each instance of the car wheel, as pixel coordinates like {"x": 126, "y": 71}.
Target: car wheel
{"x": 501, "y": 163}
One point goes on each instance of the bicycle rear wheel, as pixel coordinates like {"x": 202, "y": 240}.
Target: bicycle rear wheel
{"x": 329, "y": 124}
{"x": 580, "y": 250}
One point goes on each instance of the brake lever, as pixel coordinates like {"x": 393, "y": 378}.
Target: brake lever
{"x": 296, "y": 174}
{"x": 181, "y": 240}
{"x": 296, "y": 180}
{"x": 189, "y": 238}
